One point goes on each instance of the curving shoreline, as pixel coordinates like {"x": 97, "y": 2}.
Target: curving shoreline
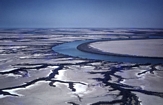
{"x": 87, "y": 48}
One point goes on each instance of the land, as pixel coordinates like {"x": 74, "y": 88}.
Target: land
{"x": 151, "y": 48}
{"x": 144, "y": 48}
{"x": 31, "y": 73}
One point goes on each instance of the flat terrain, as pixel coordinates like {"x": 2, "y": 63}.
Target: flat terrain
{"x": 144, "y": 48}
{"x": 31, "y": 73}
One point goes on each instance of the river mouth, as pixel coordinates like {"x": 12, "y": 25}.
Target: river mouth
{"x": 81, "y": 50}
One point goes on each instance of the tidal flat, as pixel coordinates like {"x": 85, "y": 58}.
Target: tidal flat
{"x": 32, "y": 73}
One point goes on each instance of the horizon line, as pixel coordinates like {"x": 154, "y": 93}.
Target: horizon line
{"x": 81, "y": 28}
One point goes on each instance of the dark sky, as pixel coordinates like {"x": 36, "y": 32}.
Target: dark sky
{"x": 81, "y": 13}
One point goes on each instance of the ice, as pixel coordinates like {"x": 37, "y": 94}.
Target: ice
{"x": 57, "y": 79}
{"x": 144, "y": 48}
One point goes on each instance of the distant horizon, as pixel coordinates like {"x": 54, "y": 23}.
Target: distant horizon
{"x": 77, "y": 28}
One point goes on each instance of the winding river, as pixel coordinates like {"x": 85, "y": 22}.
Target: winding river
{"x": 71, "y": 50}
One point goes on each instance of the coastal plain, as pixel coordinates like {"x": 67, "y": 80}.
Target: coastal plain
{"x": 31, "y": 73}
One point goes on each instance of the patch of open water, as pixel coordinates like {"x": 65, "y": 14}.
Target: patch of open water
{"x": 71, "y": 50}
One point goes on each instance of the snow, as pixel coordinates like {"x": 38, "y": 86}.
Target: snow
{"x": 146, "y": 48}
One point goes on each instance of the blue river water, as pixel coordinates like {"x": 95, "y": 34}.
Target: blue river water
{"x": 71, "y": 50}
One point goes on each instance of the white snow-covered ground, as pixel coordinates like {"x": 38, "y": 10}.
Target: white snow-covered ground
{"x": 31, "y": 73}
{"x": 145, "y": 48}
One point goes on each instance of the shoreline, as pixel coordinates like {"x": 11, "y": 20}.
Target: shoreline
{"x": 86, "y": 48}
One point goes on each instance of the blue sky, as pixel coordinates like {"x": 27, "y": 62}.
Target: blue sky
{"x": 81, "y": 13}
